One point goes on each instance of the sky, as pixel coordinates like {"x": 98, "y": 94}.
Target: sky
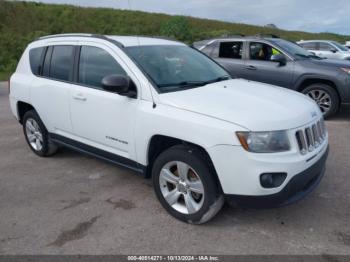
{"x": 304, "y": 15}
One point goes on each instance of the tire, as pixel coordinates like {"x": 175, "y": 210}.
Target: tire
{"x": 37, "y": 136}
{"x": 191, "y": 207}
{"x": 325, "y": 96}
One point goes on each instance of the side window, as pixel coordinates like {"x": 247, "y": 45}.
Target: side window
{"x": 207, "y": 50}
{"x": 94, "y": 64}
{"x": 261, "y": 51}
{"x": 309, "y": 46}
{"x": 61, "y": 62}
{"x": 231, "y": 50}
{"x": 215, "y": 51}
{"x": 35, "y": 59}
{"x": 47, "y": 60}
{"x": 326, "y": 47}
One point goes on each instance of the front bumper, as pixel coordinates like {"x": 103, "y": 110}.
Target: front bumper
{"x": 297, "y": 188}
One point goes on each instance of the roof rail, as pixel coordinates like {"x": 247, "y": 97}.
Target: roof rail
{"x": 84, "y": 35}
{"x": 266, "y": 36}
{"x": 232, "y": 35}
{"x": 64, "y": 35}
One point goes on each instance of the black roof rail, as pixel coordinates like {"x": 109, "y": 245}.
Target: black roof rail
{"x": 84, "y": 35}
{"x": 117, "y": 43}
{"x": 232, "y": 35}
{"x": 266, "y": 36}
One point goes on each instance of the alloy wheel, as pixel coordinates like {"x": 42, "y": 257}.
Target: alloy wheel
{"x": 322, "y": 98}
{"x": 181, "y": 187}
{"x": 34, "y": 134}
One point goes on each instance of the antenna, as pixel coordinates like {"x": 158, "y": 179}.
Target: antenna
{"x": 138, "y": 43}
{"x": 137, "y": 35}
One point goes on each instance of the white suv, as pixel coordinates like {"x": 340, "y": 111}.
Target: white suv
{"x": 167, "y": 111}
{"x": 326, "y": 49}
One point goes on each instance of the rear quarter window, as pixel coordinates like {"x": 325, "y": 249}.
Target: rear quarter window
{"x": 35, "y": 59}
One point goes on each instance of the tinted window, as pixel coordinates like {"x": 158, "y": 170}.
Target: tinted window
{"x": 46, "y": 69}
{"x": 339, "y": 46}
{"x": 35, "y": 58}
{"x": 61, "y": 62}
{"x": 261, "y": 51}
{"x": 95, "y": 63}
{"x": 207, "y": 50}
{"x": 309, "y": 46}
{"x": 326, "y": 47}
{"x": 231, "y": 50}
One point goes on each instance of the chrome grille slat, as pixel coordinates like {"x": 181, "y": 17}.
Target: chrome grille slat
{"x": 311, "y": 137}
{"x": 316, "y": 135}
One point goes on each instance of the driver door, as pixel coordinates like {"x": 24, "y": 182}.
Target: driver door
{"x": 101, "y": 119}
{"x": 259, "y": 66}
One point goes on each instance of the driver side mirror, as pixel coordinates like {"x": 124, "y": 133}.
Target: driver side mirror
{"x": 334, "y": 50}
{"x": 281, "y": 59}
{"x": 120, "y": 84}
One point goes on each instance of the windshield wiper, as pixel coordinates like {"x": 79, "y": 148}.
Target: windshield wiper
{"x": 219, "y": 79}
{"x": 302, "y": 55}
{"x": 185, "y": 84}
{"x": 310, "y": 56}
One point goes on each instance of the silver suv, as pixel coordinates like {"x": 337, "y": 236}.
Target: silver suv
{"x": 326, "y": 49}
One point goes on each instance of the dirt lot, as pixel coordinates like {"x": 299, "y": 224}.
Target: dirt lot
{"x": 71, "y": 204}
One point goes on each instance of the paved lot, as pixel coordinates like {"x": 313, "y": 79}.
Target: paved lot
{"x": 72, "y": 203}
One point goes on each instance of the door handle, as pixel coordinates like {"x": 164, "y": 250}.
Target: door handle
{"x": 251, "y": 67}
{"x": 79, "y": 97}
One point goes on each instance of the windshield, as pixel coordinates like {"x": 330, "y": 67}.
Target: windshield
{"x": 342, "y": 48}
{"x": 293, "y": 49}
{"x": 173, "y": 67}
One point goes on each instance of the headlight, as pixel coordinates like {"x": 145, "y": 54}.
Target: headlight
{"x": 346, "y": 70}
{"x": 264, "y": 142}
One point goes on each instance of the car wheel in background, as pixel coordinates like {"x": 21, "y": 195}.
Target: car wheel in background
{"x": 326, "y": 98}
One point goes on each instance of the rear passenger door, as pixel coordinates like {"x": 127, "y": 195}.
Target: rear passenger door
{"x": 50, "y": 94}
{"x": 102, "y": 119}
{"x": 231, "y": 55}
{"x": 260, "y": 68}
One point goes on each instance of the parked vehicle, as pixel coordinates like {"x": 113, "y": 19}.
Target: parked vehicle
{"x": 167, "y": 111}
{"x": 347, "y": 44}
{"x": 279, "y": 62}
{"x": 326, "y": 49}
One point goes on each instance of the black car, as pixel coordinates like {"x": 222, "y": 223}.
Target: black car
{"x": 283, "y": 63}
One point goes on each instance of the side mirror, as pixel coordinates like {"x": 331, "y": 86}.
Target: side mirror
{"x": 119, "y": 84}
{"x": 334, "y": 51}
{"x": 281, "y": 59}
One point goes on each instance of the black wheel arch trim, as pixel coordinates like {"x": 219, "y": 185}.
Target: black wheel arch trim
{"x": 315, "y": 78}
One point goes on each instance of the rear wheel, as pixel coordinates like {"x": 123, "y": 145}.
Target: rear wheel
{"x": 36, "y": 135}
{"x": 186, "y": 186}
{"x": 325, "y": 96}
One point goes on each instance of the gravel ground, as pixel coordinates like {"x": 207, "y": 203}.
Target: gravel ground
{"x": 74, "y": 204}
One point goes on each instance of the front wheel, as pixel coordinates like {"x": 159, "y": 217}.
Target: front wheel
{"x": 326, "y": 98}
{"x": 186, "y": 186}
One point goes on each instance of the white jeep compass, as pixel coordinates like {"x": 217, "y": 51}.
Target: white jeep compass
{"x": 169, "y": 112}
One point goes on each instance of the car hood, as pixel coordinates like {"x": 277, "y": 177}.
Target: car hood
{"x": 254, "y": 106}
{"x": 331, "y": 62}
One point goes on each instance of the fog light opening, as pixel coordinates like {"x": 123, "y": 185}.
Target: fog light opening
{"x": 272, "y": 180}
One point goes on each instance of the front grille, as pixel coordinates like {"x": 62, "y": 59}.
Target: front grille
{"x": 311, "y": 137}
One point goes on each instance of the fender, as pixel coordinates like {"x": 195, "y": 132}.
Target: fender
{"x": 315, "y": 78}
